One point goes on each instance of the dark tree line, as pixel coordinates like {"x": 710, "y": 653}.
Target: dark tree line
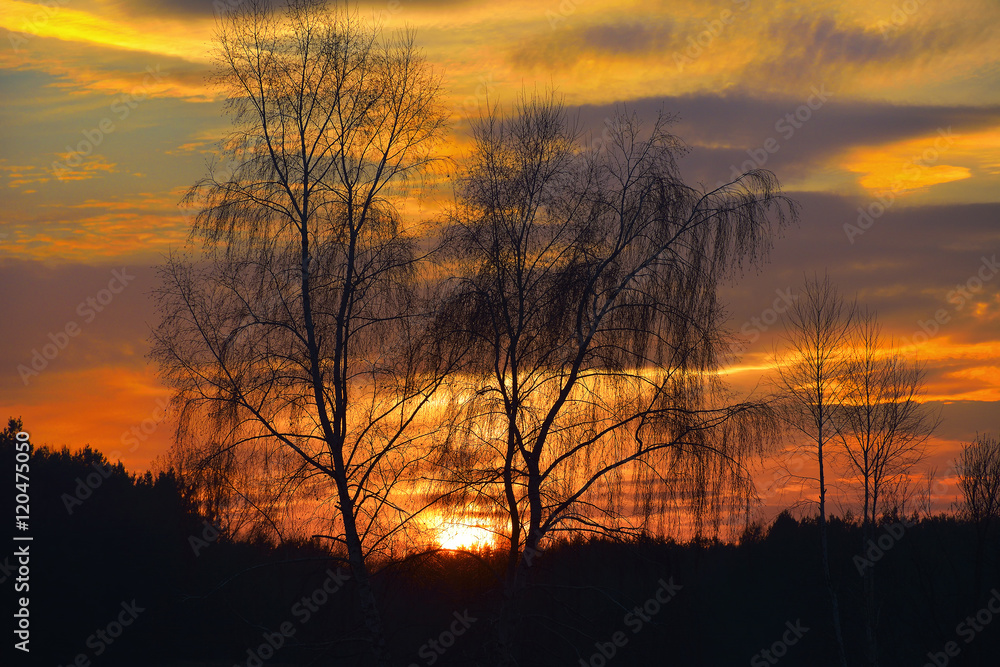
{"x": 209, "y": 600}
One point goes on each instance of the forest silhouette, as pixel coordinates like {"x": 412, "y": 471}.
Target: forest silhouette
{"x": 543, "y": 361}
{"x": 207, "y": 599}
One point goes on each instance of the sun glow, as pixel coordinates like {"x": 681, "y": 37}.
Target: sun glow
{"x": 461, "y": 536}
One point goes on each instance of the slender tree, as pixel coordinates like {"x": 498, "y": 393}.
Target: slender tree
{"x": 298, "y": 334}
{"x": 587, "y": 285}
{"x": 809, "y": 370}
{"x": 883, "y": 428}
{"x": 978, "y": 468}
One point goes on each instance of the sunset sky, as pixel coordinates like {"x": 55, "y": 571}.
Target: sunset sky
{"x": 882, "y": 118}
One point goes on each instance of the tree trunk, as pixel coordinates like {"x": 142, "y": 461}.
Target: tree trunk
{"x": 824, "y": 544}
{"x": 505, "y": 648}
{"x": 355, "y": 550}
{"x": 366, "y": 596}
{"x": 871, "y": 639}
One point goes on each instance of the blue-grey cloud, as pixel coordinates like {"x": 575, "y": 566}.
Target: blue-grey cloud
{"x": 728, "y": 133}
{"x": 567, "y": 45}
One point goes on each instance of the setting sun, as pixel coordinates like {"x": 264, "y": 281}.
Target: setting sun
{"x": 461, "y": 536}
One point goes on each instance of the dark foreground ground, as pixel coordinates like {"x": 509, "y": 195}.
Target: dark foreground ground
{"x": 132, "y": 576}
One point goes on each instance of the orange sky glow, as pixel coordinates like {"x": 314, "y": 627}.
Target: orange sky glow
{"x": 884, "y": 124}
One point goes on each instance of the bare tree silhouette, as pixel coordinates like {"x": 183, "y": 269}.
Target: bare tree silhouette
{"x": 587, "y": 287}
{"x": 808, "y": 375}
{"x": 883, "y": 428}
{"x": 978, "y": 468}
{"x": 298, "y": 339}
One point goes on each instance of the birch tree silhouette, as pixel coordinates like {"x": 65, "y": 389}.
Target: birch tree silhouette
{"x": 299, "y": 333}
{"x": 809, "y": 373}
{"x": 587, "y": 287}
{"x": 883, "y": 428}
{"x": 978, "y": 468}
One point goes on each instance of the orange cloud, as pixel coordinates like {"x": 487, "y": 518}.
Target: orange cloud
{"x": 91, "y": 167}
{"x": 145, "y": 225}
{"x": 909, "y": 165}
{"x": 18, "y": 175}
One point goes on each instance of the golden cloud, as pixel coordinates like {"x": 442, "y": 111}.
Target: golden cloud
{"x": 183, "y": 39}
{"x": 921, "y": 162}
